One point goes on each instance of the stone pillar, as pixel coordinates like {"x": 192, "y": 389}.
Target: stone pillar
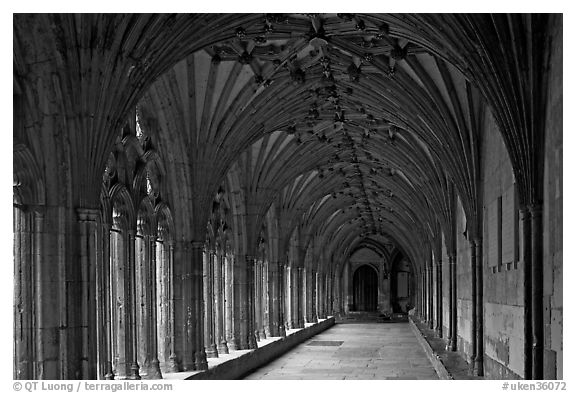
{"x": 301, "y": 296}
{"x": 423, "y": 294}
{"x": 186, "y": 319}
{"x": 165, "y": 319}
{"x": 479, "y": 359}
{"x": 537, "y": 293}
{"x": 24, "y": 288}
{"x": 298, "y": 297}
{"x": 288, "y": 297}
{"x": 431, "y": 315}
{"x": 276, "y": 299}
{"x": 229, "y": 301}
{"x": 439, "y": 296}
{"x": 266, "y": 332}
{"x": 527, "y": 290}
{"x": 90, "y": 258}
{"x": 208, "y": 269}
{"x": 320, "y": 295}
{"x": 347, "y": 297}
{"x": 117, "y": 348}
{"x": 131, "y": 309}
{"x": 222, "y": 346}
{"x": 474, "y": 310}
{"x": 123, "y": 279}
{"x": 311, "y": 315}
{"x": 152, "y": 362}
{"x": 141, "y": 271}
{"x": 244, "y": 294}
{"x": 452, "y": 344}
{"x": 104, "y": 314}
{"x": 197, "y": 308}
{"x": 257, "y": 299}
{"x": 250, "y": 312}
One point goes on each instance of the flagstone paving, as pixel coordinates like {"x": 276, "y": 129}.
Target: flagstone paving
{"x": 366, "y": 351}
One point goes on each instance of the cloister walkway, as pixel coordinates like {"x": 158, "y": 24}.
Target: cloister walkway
{"x": 354, "y": 351}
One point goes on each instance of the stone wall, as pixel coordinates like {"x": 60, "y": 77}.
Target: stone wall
{"x": 503, "y": 271}
{"x": 552, "y": 214}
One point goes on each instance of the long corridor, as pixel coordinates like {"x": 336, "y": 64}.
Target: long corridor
{"x": 354, "y": 351}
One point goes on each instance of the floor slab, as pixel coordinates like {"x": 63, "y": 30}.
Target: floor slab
{"x": 367, "y": 351}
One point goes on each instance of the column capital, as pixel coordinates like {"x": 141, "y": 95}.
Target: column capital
{"x": 535, "y": 209}
{"x": 197, "y": 244}
{"x": 88, "y": 214}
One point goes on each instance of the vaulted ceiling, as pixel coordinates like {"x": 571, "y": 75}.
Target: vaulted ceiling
{"x": 361, "y": 127}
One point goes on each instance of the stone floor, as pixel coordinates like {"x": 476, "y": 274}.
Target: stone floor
{"x": 354, "y": 351}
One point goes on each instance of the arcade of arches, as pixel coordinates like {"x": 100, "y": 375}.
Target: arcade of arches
{"x": 186, "y": 185}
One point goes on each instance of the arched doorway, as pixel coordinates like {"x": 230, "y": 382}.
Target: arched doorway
{"x": 365, "y": 289}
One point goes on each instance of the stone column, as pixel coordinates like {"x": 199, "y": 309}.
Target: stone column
{"x": 337, "y": 293}
{"x": 424, "y": 295}
{"x": 197, "y": 309}
{"x": 452, "y": 344}
{"x": 266, "y": 332}
{"x": 474, "y": 310}
{"x": 24, "y": 288}
{"x": 277, "y": 300}
{"x": 311, "y": 316}
{"x": 439, "y": 300}
{"x": 288, "y": 297}
{"x": 250, "y": 262}
{"x": 527, "y": 290}
{"x": 430, "y": 294}
{"x": 152, "y": 358}
{"x": 131, "y": 306}
{"x": 165, "y": 320}
{"x": 142, "y": 324}
{"x": 187, "y": 303}
{"x": 320, "y": 295}
{"x": 90, "y": 258}
{"x": 537, "y": 293}
{"x": 104, "y": 315}
{"x": 229, "y": 301}
{"x": 295, "y": 297}
{"x": 219, "y": 303}
{"x": 209, "y": 342}
{"x": 301, "y": 297}
{"x": 257, "y": 298}
{"x": 124, "y": 299}
{"x": 479, "y": 359}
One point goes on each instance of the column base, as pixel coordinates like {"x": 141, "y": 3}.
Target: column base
{"x": 223, "y": 347}
{"x": 263, "y": 334}
{"x": 267, "y": 332}
{"x": 479, "y": 367}
{"x": 109, "y": 374}
{"x": 281, "y": 331}
{"x": 211, "y": 351}
{"x": 257, "y": 335}
{"x": 201, "y": 362}
{"x": 152, "y": 370}
{"x": 134, "y": 371}
{"x": 188, "y": 366}
{"x": 173, "y": 364}
{"x": 231, "y": 343}
{"x": 252, "y": 342}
